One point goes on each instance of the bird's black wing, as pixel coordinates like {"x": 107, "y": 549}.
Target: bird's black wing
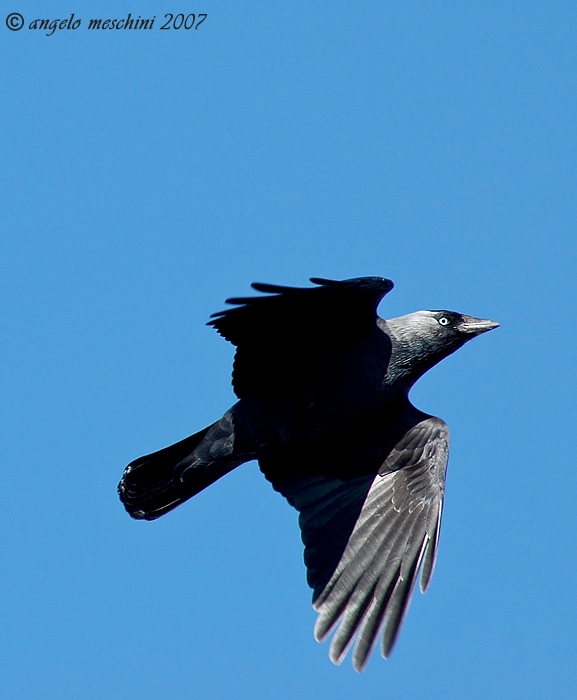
{"x": 284, "y": 338}
{"x": 366, "y": 539}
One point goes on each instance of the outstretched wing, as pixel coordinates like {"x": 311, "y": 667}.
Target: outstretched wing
{"x": 284, "y": 338}
{"x": 366, "y": 539}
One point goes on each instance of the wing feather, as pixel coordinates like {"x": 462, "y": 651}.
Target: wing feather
{"x": 285, "y": 338}
{"x": 367, "y": 538}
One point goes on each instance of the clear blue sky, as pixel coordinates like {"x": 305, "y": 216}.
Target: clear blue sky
{"x": 145, "y": 177}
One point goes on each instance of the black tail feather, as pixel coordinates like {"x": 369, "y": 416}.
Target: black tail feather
{"x": 151, "y": 485}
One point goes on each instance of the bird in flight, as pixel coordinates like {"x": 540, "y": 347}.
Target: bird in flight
{"x": 323, "y": 385}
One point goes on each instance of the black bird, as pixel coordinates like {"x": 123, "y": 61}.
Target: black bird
{"x": 323, "y": 406}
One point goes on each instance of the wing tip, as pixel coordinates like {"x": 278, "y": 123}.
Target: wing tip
{"x": 268, "y": 288}
{"x": 381, "y": 284}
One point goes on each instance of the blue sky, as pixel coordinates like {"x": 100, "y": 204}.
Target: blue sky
{"x": 145, "y": 177}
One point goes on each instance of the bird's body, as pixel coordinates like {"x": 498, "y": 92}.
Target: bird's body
{"x": 323, "y": 406}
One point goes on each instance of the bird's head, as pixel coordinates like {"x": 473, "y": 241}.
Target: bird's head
{"x": 424, "y": 338}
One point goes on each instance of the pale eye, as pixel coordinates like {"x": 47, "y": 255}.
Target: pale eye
{"x": 444, "y": 321}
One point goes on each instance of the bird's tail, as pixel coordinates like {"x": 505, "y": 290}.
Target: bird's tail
{"x": 156, "y": 483}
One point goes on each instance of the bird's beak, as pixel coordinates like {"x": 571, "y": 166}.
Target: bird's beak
{"x": 476, "y": 326}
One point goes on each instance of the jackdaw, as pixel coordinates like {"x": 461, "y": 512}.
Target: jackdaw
{"x": 323, "y": 406}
